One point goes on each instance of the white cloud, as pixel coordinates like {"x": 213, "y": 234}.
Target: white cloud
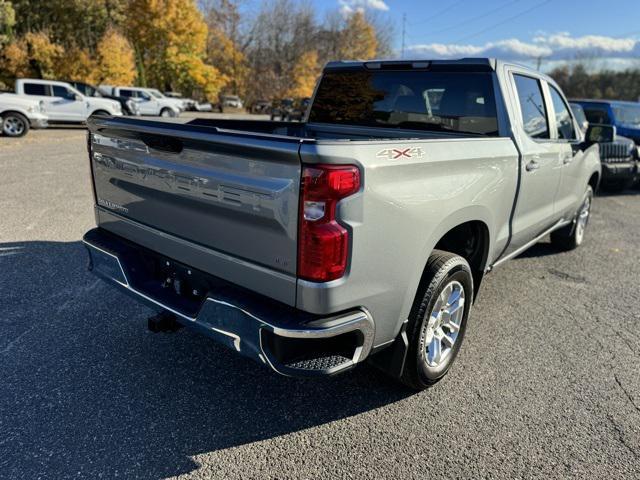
{"x": 347, "y": 7}
{"x": 504, "y": 49}
{"x": 552, "y": 47}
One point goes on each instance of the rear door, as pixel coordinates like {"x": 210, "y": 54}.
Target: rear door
{"x": 226, "y": 193}
{"x": 541, "y": 165}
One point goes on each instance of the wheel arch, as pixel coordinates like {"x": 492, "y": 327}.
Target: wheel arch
{"x": 594, "y": 181}
{"x": 476, "y": 216}
{"x": 100, "y": 111}
{"x": 15, "y": 110}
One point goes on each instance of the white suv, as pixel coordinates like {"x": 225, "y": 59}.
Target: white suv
{"x": 149, "y": 104}
{"x": 63, "y": 103}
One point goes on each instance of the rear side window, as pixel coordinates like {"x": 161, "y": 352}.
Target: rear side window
{"x": 564, "y": 122}
{"x": 35, "y": 89}
{"x": 461, "y": 102}
{"x": 597, "y": 115}
{"x": 534, "y": 113}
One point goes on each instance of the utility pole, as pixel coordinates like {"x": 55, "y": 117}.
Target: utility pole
{"x": 404, "y": 25}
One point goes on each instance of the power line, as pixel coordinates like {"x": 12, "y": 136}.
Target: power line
{"x": 518, "y": 15}
{"x": 473, "y": 19}
{"x": 439, "y": 13}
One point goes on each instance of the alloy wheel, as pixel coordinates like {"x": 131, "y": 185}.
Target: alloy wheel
{"x": 444, "y": 324}
{"x": 13, "y": 126}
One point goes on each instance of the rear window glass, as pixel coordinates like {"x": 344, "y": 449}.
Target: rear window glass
{"x": 35, "y": 89}
{"x": 418, "y": 100}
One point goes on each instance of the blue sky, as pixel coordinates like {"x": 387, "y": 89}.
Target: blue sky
{"x": 607, "y": 33}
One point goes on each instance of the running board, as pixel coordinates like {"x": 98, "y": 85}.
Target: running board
{"x": 515, "y": 253}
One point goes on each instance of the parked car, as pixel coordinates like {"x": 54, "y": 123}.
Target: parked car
{"x": 187, "y": 103}
{"x": 63, "y": 103}
{"x": 260, "y": 107}
{"x": 178, "y": 102}
{"x": 362, "y": 234}
{"x": 625, "y": 116}
{"x": 619, "y": 158}
{"x": 128, "y": 106}
{"x": 19, "y": 114}
{"x": 299, "y": 110}
{"x": 203, "y": 107}
{"x": 230, "y": 102}
{"x": 148, "y": 104}
{"x": 282, "y": 109}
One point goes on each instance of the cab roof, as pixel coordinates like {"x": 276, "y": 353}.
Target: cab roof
{"x": 475, "y": 64}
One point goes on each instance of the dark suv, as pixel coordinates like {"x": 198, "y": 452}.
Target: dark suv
{"x": 620, "y": 157}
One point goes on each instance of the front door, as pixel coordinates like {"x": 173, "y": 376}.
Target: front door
{"x": 540, "y": 166}
{"x": 571, "y": 155}
{"x": 64, "y": 105}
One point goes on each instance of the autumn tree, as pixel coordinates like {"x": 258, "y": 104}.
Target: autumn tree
{"x": 305, "y": 74}
{"x": 282, "y": 32}
{"x": 226, "y": 43}
{"x": 115, "y": 60}
{"x": 77, "y": 64}
{"x": 33, "y": 55}
{"x": 169, "y": 38}
{"x": 69, "y": 23}
{"x": 358, "y": 39}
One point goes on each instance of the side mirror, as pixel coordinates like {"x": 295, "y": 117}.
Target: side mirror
{"x": 77, "y": 97}
{"x": 597, "y": 133}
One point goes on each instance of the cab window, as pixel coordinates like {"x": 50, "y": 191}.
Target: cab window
{"x": 64, "y": 92}
{"x": 564, "y": 122}
{"x": 36, "y": 89}
{"x": 534, "y": 112}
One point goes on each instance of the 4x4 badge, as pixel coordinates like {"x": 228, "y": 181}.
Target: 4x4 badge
{"x": 401, "y": 152}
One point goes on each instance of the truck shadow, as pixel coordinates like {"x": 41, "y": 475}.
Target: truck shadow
{"x": 88, "y": 391}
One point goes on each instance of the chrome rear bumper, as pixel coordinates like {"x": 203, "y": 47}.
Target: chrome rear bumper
{"x": 289, "y": 341}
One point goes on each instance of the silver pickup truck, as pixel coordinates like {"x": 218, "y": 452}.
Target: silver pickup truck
{"x": 363, "y": 232}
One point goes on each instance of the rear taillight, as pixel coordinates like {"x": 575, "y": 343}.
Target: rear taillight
{"x": 323, "y": 244}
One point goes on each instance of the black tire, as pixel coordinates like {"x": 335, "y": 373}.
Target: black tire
{"x": 14, "y": 124}
{"x": 572, "y": 236}
{"x": 167, "y": 113}
{"x": 443, "y": 269}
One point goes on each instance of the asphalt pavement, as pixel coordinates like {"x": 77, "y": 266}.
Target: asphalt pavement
{"x": 547, "y": 384}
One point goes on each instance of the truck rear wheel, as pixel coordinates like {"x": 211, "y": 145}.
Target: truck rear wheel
{"x": 438, "y": 319}
{"x": 14, "y": 124}
{"x": 572, "y": 236}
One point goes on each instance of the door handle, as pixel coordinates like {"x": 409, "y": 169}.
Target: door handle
{"x": 533, "y": 164}
{"x": 567, "y": 159}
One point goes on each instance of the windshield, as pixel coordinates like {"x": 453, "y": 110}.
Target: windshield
{"x": 156, "y": 93}
{"x": 419, "y": 100}
{"x": 628, "y": 115}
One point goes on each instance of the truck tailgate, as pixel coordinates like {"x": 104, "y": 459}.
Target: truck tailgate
{"x": 231, "y": 195}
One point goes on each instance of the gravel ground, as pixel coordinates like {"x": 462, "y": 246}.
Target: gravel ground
{"x": 547, "y": 383}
